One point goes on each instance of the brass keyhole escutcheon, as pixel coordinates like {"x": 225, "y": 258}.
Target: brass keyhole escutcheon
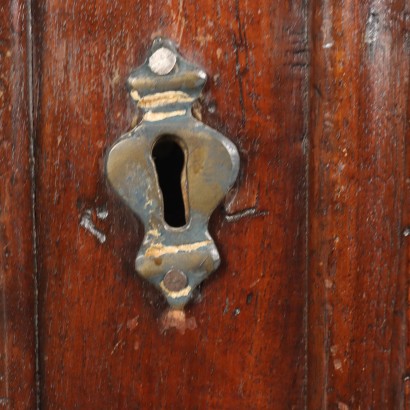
{"x": 172, "y": 171}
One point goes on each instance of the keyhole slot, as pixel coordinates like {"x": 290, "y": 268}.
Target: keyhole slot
{"x": 169, "y": 159}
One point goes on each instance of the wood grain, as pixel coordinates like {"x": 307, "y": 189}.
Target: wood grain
{"x": 17, "y": 274}
{"x": 359, "y": 129}
{"x": 405, "y": 260}
{"x": 271, "y": 328}
{"x": 101, "y": 344}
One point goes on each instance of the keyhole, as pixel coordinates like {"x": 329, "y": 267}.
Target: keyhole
{"x": 169, "y": 162}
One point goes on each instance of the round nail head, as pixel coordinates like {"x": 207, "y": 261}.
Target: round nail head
{"x": 162, "y": 61}
{"x": 175, "y": 280}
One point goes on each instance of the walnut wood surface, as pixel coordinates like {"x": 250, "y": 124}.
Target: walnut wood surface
{"x": 310, "y": 306}
{"x": 17, "y": 290}
{"x": 405, "y": 255}
{"x": 101, "y": 344}
{"x": 359, "y": 88}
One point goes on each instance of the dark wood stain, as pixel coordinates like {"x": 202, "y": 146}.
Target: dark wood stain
{"x": 240, "y": 356}
{"x": 310, "y": 306}
{"x": 17, "y": 272}
{"x": 358, "y": 125}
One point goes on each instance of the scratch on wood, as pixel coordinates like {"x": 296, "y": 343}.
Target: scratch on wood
{"x": 181, "y": 20}
{"x": 372, "y": 28}
{"x": 254, "y": 283}
{"x": 406, "y": 391}
{"x": 251, "y": 212}
{"x": 327, "y": 28}
{"x": 337, "y": 364}
{"x": 132, "y": 323}
{"x": 88, "y": 225}
{"x": 102, "y": 213}
{"x": 240, "y": 43}
{"x": 176, "y": 319}
{"x": 5, "y": 352}
{"x": 226, "y": 309}
{"x": 117, "y": 345}
{"x": 4, "y": 401}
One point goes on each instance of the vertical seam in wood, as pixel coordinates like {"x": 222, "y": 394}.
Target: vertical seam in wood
{"x": 30, "y": 74}
{"x": 306, "y": 148}
{"x": 404, "y": 261}
{"x": 313, "y": 6}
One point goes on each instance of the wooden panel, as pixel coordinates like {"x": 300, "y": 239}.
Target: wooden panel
{"x": 17, "y": 274}
{"x": 101, "y": 344}
{"x": 359, "y": 97}
{"x": 406, "y": 230}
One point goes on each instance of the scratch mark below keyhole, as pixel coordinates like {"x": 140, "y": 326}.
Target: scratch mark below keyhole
{"x": 88, "y": 225}
{"x": 251, "y": 212}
